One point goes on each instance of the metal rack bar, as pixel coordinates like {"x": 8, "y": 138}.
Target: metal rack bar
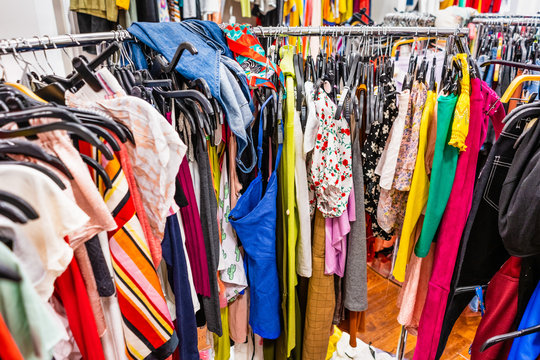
{"x": 356, "y": 31}
{"x": 409, "y": 19}
{"x": 528, "y": 20}
{"x": 60, "y": 41}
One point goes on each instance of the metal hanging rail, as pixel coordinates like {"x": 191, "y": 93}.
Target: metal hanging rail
{"x": 526, "y": 20}
{"x": 281, "y": 31}
{"x": 409, "y": 19}
{"x": 54, "y": 42}
{"x": 60, "y": 41}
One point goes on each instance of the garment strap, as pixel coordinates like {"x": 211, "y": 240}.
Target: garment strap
{"x": 260, "y": 137}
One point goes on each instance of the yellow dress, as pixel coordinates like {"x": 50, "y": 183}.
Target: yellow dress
{"x": 288, "y": 193}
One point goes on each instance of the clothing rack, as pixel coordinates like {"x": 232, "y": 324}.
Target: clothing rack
{"x": 283, "y": 31}
{"x": 526, "y": 20}
{"x": 15, "y": 45}
{"x": 409, "y": 19}
{"x": 55, "y": 42}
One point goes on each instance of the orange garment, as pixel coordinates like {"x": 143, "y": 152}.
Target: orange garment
{"x": 516, "y": 95}
{"x": 355, "y": 322}
{"x": 10, "y": 350}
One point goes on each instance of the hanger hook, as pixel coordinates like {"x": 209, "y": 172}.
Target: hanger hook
{"x": 14, "y": 52}
{"x": 73, "y": 39}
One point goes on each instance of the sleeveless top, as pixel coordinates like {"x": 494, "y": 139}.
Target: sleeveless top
{"x": 254, "y": 220}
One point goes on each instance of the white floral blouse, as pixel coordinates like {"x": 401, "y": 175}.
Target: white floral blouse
{"x": 331, "y": 168}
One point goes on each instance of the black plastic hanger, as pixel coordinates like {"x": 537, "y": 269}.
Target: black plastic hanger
{"x": 432, "y": 83}
{"x": 44, "y": 111}
{"x": 52, "y": 110}
{"x": 57, "y": 87}
{"x": 47, "y": 111}
{"x": 511, "y": 64}
{"x": 90, "y": 117}
{"x": 299, "y": 70}
{"x": 187, "y": 94}
{"x": 75, "y": 79}
{"x": 28, "y": 148}
{"x": 357, "y": 17}
{"x": 86, "y": 74}
{"x": 7, "y": 273}
{"x": 48, "y": 172}
{"x": 100, "y": 171}
{"x": 20, "y": 203}
{"x": 345, "y": 93}
{"x": 201, "y": 85}
{"x": 12, "y": 212}
{"x": 310, "y": 73}
{"x": 76, "y": 129}
{"x": 509, "y": 336}
{"x": 178, "y": 53}
{"x": 105, "y": 135}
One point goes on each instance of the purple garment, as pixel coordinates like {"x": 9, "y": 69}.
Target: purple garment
{"x": 453, "y": 221}
{"x": 194, "y": 235}
{"x": 336, "y": 230}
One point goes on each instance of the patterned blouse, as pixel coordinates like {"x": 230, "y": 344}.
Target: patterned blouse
{"x": 392, "y": 203}
{"x": 331, "y": 169}
{"x": 371, "y": 153}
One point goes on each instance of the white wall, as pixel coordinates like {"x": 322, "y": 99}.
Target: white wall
{"x": 29, "y": 18}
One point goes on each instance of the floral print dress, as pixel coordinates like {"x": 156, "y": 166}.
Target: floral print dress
{"x": 331, "y": 167}
{"x": 393, "y": 202}
{"x": 371, "y": 153}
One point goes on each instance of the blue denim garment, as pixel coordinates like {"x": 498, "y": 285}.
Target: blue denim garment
{"x": 165, "y": 37}
{"x": 531, "y": 87}
{"x": 240, "y": 74}
{"x": 491, "y": 70}
{"x": 481, "y": 59}
{"x": 210, "y": 31}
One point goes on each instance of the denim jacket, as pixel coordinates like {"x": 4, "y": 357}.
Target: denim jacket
{"x": 213, "y": 54}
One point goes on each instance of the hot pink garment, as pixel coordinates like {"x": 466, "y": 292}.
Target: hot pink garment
{"x": 194, "y": 235}
{"x": 454, "y": 220}
{"x": 336, "y": 239}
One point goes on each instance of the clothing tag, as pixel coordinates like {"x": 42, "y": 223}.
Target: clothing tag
{"x": 480, "y": 295}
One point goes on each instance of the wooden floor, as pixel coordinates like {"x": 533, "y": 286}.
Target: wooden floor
{"x": 382, "y": 328}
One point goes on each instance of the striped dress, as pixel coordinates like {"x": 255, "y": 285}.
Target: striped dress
{"x": 148, "y": 329}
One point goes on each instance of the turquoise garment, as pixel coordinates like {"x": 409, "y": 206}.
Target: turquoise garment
{"x": 254, "y": 220}
{"x": 442, "y": 174}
